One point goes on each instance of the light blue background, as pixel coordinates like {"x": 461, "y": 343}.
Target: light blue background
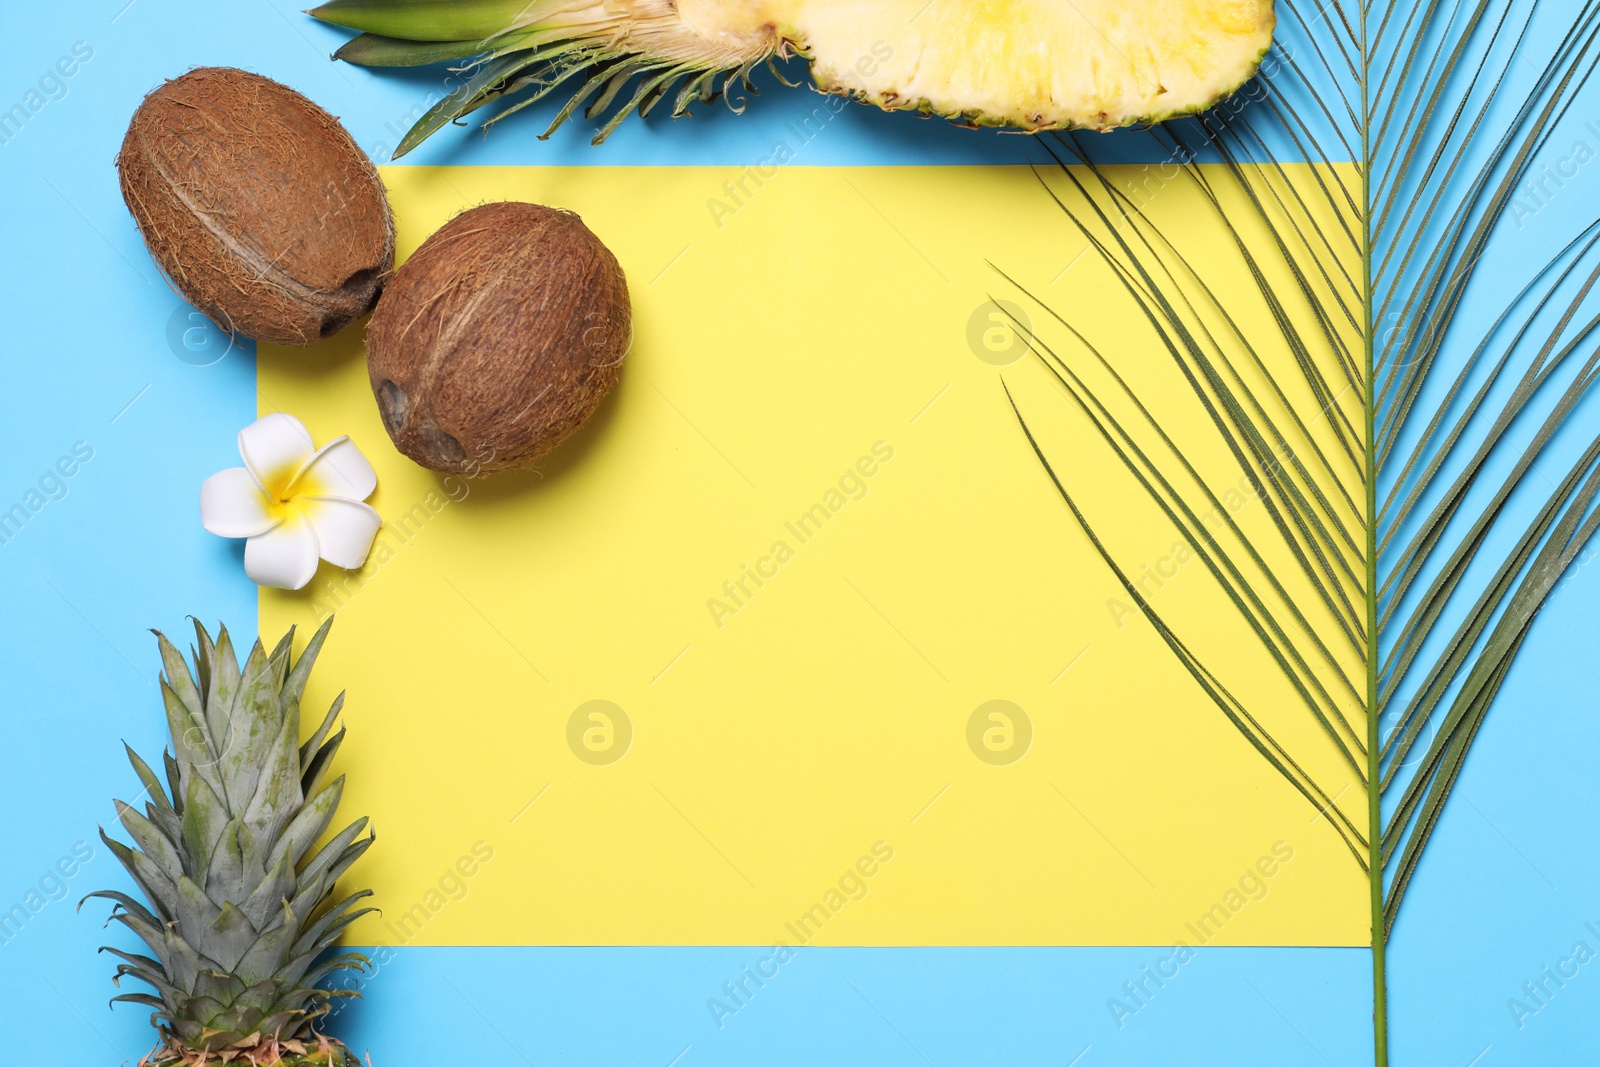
{"x": 1511, "y": 879}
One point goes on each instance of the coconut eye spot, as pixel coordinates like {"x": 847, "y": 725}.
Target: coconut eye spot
{"x": 444, "y": 448}
{"x": 391, "y": 406}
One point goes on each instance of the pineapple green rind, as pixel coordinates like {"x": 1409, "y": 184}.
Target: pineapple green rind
{"x": 239, "y": 910}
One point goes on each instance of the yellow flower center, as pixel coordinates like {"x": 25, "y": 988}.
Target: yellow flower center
{"x": 284, "y": 491}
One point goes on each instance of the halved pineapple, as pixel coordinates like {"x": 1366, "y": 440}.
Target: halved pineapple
{"x": 1037, "y": 64}
{"x": 1026, "y": 64}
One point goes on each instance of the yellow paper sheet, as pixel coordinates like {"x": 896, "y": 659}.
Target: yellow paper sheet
{"x": 804, "y": 548}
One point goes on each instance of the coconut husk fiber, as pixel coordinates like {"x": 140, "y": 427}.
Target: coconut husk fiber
{"x": 498, "y": 338}
{"x": 258, "y": 205}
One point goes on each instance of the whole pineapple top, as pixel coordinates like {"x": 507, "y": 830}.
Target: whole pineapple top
{"x": 238, "y": 904}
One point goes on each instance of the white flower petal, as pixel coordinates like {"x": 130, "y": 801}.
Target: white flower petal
{"x": 275, "y": 447}
{"x": 345, "y": 529}
{"x": 338, "y": 469}
{"x": 232, "y": 505}
{"x": 284, "y": 557}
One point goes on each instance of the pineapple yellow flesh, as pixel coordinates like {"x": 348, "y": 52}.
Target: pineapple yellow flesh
{"x": 1035, "y": 64}
{"x": 1024, "y": 64}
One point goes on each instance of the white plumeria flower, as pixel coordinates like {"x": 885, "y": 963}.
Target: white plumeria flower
{"x": 295, "y": 502}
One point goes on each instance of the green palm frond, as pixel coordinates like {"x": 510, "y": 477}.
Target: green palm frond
{"x": 1325, "y": 321}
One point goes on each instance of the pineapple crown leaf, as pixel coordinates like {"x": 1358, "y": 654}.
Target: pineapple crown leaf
{"x": 548, "y": 45}
{"x": 138, "y": 998}
{"x": 317, "y": 767}
{"x": 315, "y": 742}
{"x": 349, "y": 961}
{"x": 171, "y": 767}
{"x": 152, "y": 785}
{"x": 132, "y": 957}
{"x": 322, "y": 933}
{"x": 295, "y": 684}
{"x": 203, "y": 650}
{"x": 122, "y": 904}
{"x": 157, "y": 887}
{"x": 156, "y": 842}
{"x": 238, "y": 902}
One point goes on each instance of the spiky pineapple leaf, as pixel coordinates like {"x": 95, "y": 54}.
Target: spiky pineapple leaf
{"x": 349, "y": 961}
{"x": 294, "y": 685}
{"x": 316, "y": 771}
{"x": 155, "y": 883}
{"x": 131, "y": 913}
{"x": 159, "y": 809}
{"x": 309, "y": 824}
{"x": 322, "y": 933}
{"x": 191, "y": 740}
{"x": 205, "y": 816}
{"x": 252, "y": 725}
{"x": 314, "y": 742}
{"x": 153, "y": 841}
{"x": 174, "y": 776}
{"x": 275, "y": 796}
{"x": 137, "y": 998}
{"x": 376, "y": 50}
{"x": 221, "y": 852}
{"x": 205, "y": 653}
{"x": 220, "y": 697}
{"x": 429, "y": 20}
{"x": 324, "y": 868}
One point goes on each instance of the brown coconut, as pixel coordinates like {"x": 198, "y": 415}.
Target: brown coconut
{"x": 498, "y": 338}
{"x": 257, "y": 204}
